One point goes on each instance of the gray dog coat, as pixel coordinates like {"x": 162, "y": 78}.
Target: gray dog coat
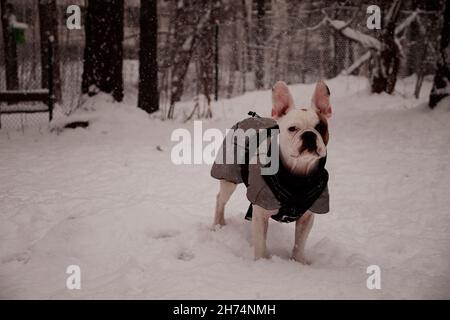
{"x": 291, "y": 195}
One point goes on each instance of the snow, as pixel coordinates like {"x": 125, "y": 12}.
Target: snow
{"x": 108, "y": 198}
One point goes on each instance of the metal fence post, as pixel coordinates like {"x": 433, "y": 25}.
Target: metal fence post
{"x": 51, "y": 97}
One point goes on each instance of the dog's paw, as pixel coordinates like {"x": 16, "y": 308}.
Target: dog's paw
{"x": 302, "y": 259}
{"x": 217, "y": 226}
{"x": 266, "y": 256}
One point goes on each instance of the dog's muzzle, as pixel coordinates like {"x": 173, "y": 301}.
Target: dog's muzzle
{"x": 309, "y": 141}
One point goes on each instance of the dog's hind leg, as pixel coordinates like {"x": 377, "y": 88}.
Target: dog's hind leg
{"x": 302, "y": 229}
{"x": 226, "y": 190}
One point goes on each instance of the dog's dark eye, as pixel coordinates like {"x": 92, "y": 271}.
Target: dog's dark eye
{"x": 292, "y": 129}
{"x": 320, "y": 127}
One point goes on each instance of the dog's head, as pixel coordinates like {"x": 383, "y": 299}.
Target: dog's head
{"x": 303, "y": 131}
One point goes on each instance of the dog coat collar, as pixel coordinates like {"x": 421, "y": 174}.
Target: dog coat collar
{"x": 296, "y": 194}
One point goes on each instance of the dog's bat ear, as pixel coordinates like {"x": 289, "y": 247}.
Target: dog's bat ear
{"x": 321, "y": 99}
{"x": 282, "y": 100}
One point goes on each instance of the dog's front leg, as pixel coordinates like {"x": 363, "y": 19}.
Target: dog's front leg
{"x": 302, "y": 228}
{"x": 260, "y": 222}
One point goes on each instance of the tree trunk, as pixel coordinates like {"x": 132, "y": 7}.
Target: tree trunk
{"x": 384, "y": 65}
{"x": 48, "y": 25}
{"x": 183, "y": 48}
{"x": 10, "y": 50}
{"x": 339, "y": 43}
{"x": 216, "y": 60}
{"x": 234, "y": 63}
{"x": 441, "y": 84}
{"x": 246, "y": 65}
{"x": 103, "y": 53}
{"x": 413, "y": 60}
{"x": 260, "y": 38}
{"x": 206, "y": 53}
{"x": 148, "y": 98}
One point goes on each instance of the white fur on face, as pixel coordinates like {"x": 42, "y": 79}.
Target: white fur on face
{"x": 292, "y": 126}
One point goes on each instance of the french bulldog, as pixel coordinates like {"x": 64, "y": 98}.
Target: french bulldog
{"x": 303, "y": 139}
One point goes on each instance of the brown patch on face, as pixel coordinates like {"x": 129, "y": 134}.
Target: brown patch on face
{"x": 303, "y": 109}
{"x": 322, "y": 128}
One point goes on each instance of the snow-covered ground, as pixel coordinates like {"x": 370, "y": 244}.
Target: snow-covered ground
{"x": 109, "y": 199}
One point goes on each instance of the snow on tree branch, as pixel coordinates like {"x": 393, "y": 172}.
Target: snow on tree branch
{"x": 366, "y": 41}
{"x": 358, "y": 62}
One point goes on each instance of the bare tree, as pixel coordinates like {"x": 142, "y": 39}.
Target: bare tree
{"x": 148, "y": 98}
{"x": 441, "y": 84}
{"x": 385, "y": 63}
{"x": 206, "y": 53}
{"x": 384, "y": 54}
{"x": 103, "y": 54}
{"x": 234, "y": 63}
{"x": 188, "y": 21}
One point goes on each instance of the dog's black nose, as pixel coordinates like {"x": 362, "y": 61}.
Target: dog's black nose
{"x": 309, "y": 141}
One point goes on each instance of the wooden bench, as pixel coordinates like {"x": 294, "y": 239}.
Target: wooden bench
{"x": 10, "y": 98}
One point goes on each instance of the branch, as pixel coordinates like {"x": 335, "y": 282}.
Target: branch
{"x": 358, "y": 62}
{"x": 393, "y": 12}
{"x": 293, "y": 30}
{"x": 366, "y": 41}
{"x": 400, "y": 47}
{"x": 414, "y": 16}
{"x": 188, "y": 43}
{"x": 410, "y": 19}
{"x": 345, "y": 25}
